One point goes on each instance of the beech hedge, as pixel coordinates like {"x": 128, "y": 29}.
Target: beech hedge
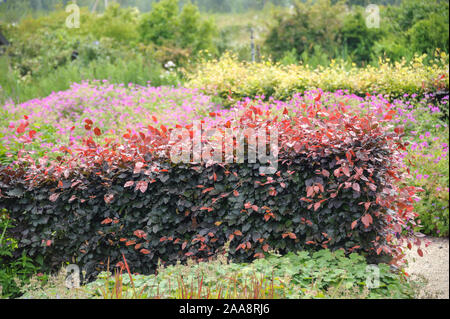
{"x": 338, "y": 185}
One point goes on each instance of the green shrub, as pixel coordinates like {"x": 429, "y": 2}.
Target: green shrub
{"x": 15, "y": 270}
{"x": 232, "y": 80}
{"x": 321, "y": 30}
{"x": 116, "y": 23}
{"x": 165, "y": 25}
{"x": 306, "y": 26}
{"x": 45, "y": 57}
{"x": 426, "y": 35}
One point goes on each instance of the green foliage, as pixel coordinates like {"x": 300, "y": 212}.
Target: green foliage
{"x": 337, "y": 30}
{"x": 116, "y": 23}
{"x": 15, "y": 270}
{"x": 166, "y": 26}
{"x": 160, "y": 24}
{"x": 289, "y": 57}
{"x": 309, "y": 25}
{"x": 429, "y": 163}
{"x": 322, "y": 274}
{"x": 408, "y": 13}
{"x": 194, "y": 32}
{"x": 404, "y": 28}
{"x": 138, "y": 70}
{"x": 357, "y": 38}
{"x": 44, "y": 56}
{"x": 430, "y": 33}
{"x": 314, "y": 32}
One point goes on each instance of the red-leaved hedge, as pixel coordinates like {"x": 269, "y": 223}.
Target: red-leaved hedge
{"x": 338, "y": 185}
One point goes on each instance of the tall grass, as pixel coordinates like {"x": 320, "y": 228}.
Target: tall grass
{"x": 138, "y": 71}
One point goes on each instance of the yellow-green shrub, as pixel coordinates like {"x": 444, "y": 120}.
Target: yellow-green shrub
{"x": 229, "y": 77}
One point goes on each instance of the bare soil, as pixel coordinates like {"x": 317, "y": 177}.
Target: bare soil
{"x": 433, "y": 267}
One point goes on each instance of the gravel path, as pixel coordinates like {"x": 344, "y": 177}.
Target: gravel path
{"x": 433, "y": 267}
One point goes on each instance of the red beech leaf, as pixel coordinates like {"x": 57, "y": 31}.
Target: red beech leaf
{"x": 54, "y": 197}
{"x": 367, "y": 220}
{"x": 128, "y": 184}
{"x": 107, "y": 221}
{"x": 346, "y": 170}
{"x": 108, "y": 198}
{"x": 309, "y": 191}
{"x": 317, "y": 206}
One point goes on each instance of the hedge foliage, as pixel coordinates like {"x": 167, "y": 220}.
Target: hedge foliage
{"x": 338, "y": 185}
{"x": 233, "y": 80}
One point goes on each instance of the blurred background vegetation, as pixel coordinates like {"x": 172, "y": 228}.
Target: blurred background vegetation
{"x": 158, "y": 41}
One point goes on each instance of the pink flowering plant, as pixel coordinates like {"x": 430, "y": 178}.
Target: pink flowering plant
{"x": 42, "y": 126}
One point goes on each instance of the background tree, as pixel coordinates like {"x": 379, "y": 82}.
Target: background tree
{"x": 311, "y": 26}
{"x": 161, "y": 23}
{"x": 358, "y": 40}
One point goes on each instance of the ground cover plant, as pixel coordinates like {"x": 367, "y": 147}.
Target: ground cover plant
{"x": 303, "y": 275}
{"x": 322, "y": 274}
